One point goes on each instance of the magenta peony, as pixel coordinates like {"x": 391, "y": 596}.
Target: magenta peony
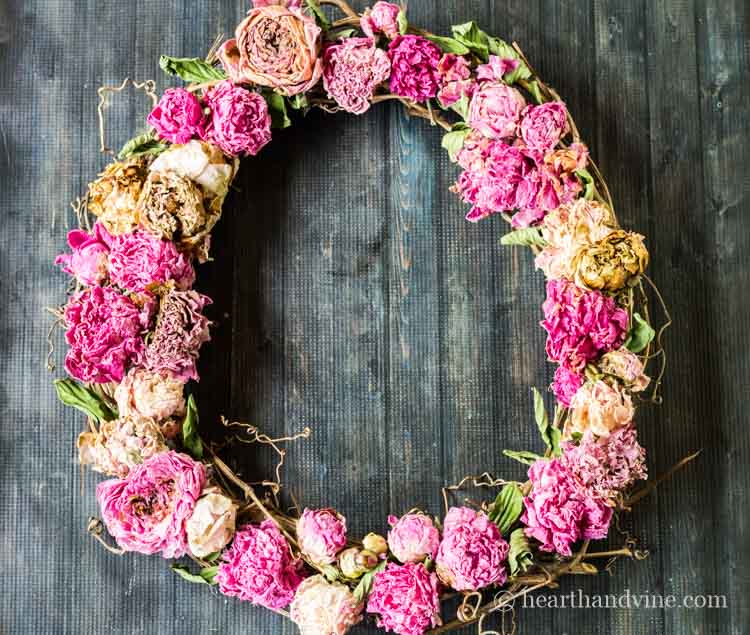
{"x": 600, "y": 408}
{"x": 559, "y": 512}
{"x": 413, "y": 537}
{"x": 581, "y": 325}
{"x": 88, "y": 262}
{"x": 146, "y": 511}
{"x": 139, "y": 260}
{"x": 566, "y": 384}
{"x": 406, "y": 599}
{"x": 324, "y": 608}
{"x": 321, "y": 534}
{"x": 495, "y": 110}
{"x": 239, "y": 121}
{"x": 414, "y": 67}
{"x": 181, "y": 329}
{"x": 543, "y": 126}
{"x": 606, "y": 467}
{"x": 105, "y": 334}
{"x": 258, "y": 567}
{"x": 276, "y": 45}
{"x": 351, "y": 72}
{"x": 178, "y": 117}
{"x": 382, "y": 18}
{"x": 472, "y": 554}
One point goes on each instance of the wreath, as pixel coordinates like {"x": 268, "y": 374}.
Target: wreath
{"x": 134, "y": 325}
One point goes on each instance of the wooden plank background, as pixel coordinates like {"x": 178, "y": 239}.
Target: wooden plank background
{"x": 351, "y": 297}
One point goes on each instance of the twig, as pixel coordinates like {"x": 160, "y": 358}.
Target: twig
{"x": 653, "y": 484}
{"x": 148, "y": 87}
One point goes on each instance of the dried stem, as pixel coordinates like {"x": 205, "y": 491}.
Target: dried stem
{"x": 343, "y": 7}
{"x": 663, "y": 477}
{"x": 148, "y": 87}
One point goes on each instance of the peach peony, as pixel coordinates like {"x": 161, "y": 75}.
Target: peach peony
{"x": 599, "y": 408}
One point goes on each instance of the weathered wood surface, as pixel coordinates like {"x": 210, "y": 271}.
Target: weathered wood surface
{"x": 351, "y": 297}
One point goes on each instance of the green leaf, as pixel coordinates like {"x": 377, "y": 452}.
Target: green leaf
{"x": 277, "y": 110}
{"x": 320, "y": 17}
{"x": 533, "y": 87}
{"x": 331, "y": 573}
{"x": 362, "y": 590}
{"x": 504, "y": 50}
{"x": 191, "y": 440}
{"x": 453, "y": 142}
{"x": 588, "y": 183}
{"x": 640, "y": 335}
{"x": 338, "y": 34}
{"x": 550, "y": 434}
{"x": 142, "y": 144}
{"x": 299, "y": 102}
{"x": 462, "y": 107}
{"x": 449, "y": 45}
{"x": 403, "y": 23}
{"x": 527, "y": 237}
{"x": 212, "y": 557}
{"x": 71, "y": 393}
{"x": 209, "y": 573}
{"x": 520, "y": 557}
{"x": 190, "y": 69}
{"x": 204, "y": 576}
{"x": 471, "y": 36}
{"x": 507, "y": 507}
{"x": 576, "y": 437}
{"x": 522, "y": 456}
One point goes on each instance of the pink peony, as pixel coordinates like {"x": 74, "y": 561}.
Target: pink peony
{"x": 178, "y": 117}
{"x": 88, "y": 262}
{"x": 321, "y": 534}
{"x": 258, "y": 567}
{"x": 406, "y": 598}
{"x": 558, "y": 512}
{"x": 105, "y": 334}
{"x": 495, "y": 110}
{"x": 543, "y": 126}
{"x": 324, "y": 608}
{"x": 496, "y": 69}
{"x": 239, "y": 121}
{"x": 413, "y": 537}
{"x": 382, "y": 18}
{"x": 146, "y": 511}
{"x": 599, "y": 408}
{"x": 181, "y": 329}
{"x": 455, "y": 79}
{"x": 606, "y": 467}
{"x": 414, "y": 67}
{"x": 566, "y": 384}
{"x": 581, "y": 325}
{"x": 351, "y": 72}
{"x": 139, "y": 260}
{"x": 472, "y": 554}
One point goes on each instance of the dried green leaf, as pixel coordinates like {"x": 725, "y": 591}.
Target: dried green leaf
{"x": 453, "y": 142}
{"x": 550, "y": 434}
{"x": 587, "y": 181}
{"x": 142, "y": 144}
{"x": 331, "y": 573}
{"x": 526, "y": 237}
{"x": 362, "y": 590}
{"x": 277, "y": 110}
{"x": 320, "y": 17}
{"x": 449, "y": 44}
{"x": 520, "y": 557}
{"x": 507, "y": 507}
{"x": 471, "y": 36}
{"x": 403, "y": 23}
{"x": 190, "y": 69}
{"x": 640, "y": 335}
{"x": 504, "y": 50}
{"x": 191, "y": 440}
{"x": 204, "y": 576}
{"x": 71, "y": 393}
{"x": 523, "y": 456}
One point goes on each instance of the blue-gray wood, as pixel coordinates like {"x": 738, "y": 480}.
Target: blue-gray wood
{"x": 352, "y": 297}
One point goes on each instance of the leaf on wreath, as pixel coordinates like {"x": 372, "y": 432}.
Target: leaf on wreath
{"x": 331, "y": 573}
{"x": 190, "y": 69}
{"x": 204, "y": 576}
{"x": 520, "y": 557}
{"x": 76, "y": 395}
{"x": 523, "y": 456}
{"x": 526, "y": 237}
{"x": 191, "y": 440}
{"x": 449, "y": 44}
{"x": 362, "y": 590}
{"x": 471, "y": 36}
{"x": 550, "y": 434}
{"x": 640, "y": 335}
{"x": 277, "y": 110}
{"x": 320, "y": 17}
{"x": 507, "y": 508}
{"x": 141, "y": 145}
{"x": 453, "y": 141}
{"x": 403, "y": 23}
{"x": 504, "y": 50}
{"x": 300, "y": 101}
{"x": 587, "y": 181}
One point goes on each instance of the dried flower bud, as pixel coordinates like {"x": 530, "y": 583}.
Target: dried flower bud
{"x": 375, "y": 543}
{"x": 113, "y": 197}
{"x": 612, "y": 263}
{"x": 355, "y": 562}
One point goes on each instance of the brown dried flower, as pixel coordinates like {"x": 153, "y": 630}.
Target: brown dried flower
{"x": 113, "y": 197}
{"x": 612, "y": 263}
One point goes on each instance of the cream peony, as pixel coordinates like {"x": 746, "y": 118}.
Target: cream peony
{"x": 324, "y": 608}
{"x": 599, "y": 408}
{"x": 212, "y": 524}
{"x": 158, "y": 395}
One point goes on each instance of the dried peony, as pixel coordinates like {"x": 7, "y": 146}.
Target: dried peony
{"x": 321, "y": 534}
{"x": 567, "y": 229}
{"x": 559, "y": 512}
{"x": 181, "y": 329}
{"x": 171, "y": 207}
{"x": 355, "y": 562}
{"x": 581, "y": 325}
{"x": 211, "y": 525}
{"x": 275, "y": 46}
{"x": 88, "y": 262}
{"x": 352, "y": 70}
{"x": 147, "y": 510}
{"x": 406, "y": 599}
{"x": 495, "y": 110}
{"x": 113, "y": 197}
{"x": 157, "y": 395}
{"x": 178, "y": 117}
{"x": 599, "y": 408}
{"x": 473, "y": 553}
{"x": 455, "y": 79}
{"x": 138, "y": 261}
{"x": 627, "y": 367}
{"x": 258, "y": 567}
{"x": 240, "y": 122}
{"x": 616, "y": 261}
{"x": 414, "y": 67}
{"x": 324, "y": 608}
{"x": 413, "y": 537}
{"x": 120, "y": 445}
{"x": 381, "y": 18}
{"x": 543, "y": 126}
{"x": 566, "y": 384}
{"x": 105, "y": 334}
{"x": 606, "y": 467}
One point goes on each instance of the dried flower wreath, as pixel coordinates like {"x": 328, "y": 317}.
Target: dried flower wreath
{"x": 134, "y": 326}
